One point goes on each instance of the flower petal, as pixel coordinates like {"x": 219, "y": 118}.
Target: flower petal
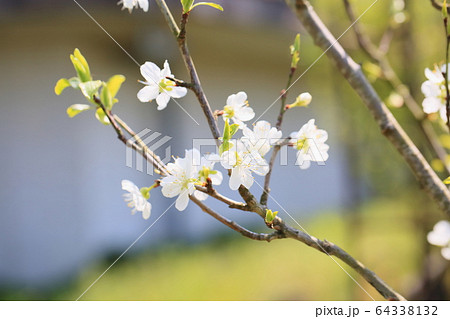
{"x": 166, "y": 70}
{"x": 129, "y": 186}
{"x": 143, "y": 4}
{"x": 446, "y": 252}
{"x": 162, "y": 101}
{"x": 235, "y": 178}
{"x": 177, "y": 92}
{"x": 182, "y": 201}
{"x": 431, "y": 105}
{"x": 146, "y": 211}
{"x": 245, "y": 113}
{"x": 151, "y": 72}
{"x": 148, "y": 93}
{"x": 239, "y": 99}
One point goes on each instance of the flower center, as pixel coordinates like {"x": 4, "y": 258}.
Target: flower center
{"x": 229, "y": 111}
{"x": 302, "y": 144}
{"x": 165, "y": 85}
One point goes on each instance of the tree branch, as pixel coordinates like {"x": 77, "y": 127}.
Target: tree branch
{"x": 282, "y": 230}
{"x": 331, "y": 249}
{"x": 235, "y": 226}
{"x": 324, "y": 247}
{"x": 385, "y": 120}
{"x": 390, "y": 75}
{"x": 230, "y": 202}
{"x": 180, "y": 35}
{"x": 273, "y": 157}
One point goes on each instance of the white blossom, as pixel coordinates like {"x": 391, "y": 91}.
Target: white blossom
{"x": 205, "y": 171}
{"x": 310, "y": 144}
{"x": 158, "y": 86}
{"x": 243, "y": 162}
{"x": 181, "y": 181}
{"x": 261, "y": 138}
{"x": 440, "y": 236}
{"x": 130, "y": 4}
{"x": 237, "y": 109}
{"x": 136, "y": 199}
{"x": 435, "y": 92}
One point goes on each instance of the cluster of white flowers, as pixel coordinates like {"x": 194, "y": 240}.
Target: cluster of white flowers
{"x": 435, "y": 92}
{"x": 243, "y": 156}
{"x": 131, "y": 4}
{"x": 440, "y": 236}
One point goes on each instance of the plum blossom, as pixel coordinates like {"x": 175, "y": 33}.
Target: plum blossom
{"x": 237, "y": 109}
{"x": 440, "y": 236}
{"x": 261, "y": 138}
{"x": 243, "y": 161}
{"x": 310, "y": 144}
{"x": 182, "y": 179}
{"x": 435, "y": 92}
{"x": 136, "y": 199}
{"x": 158, "y": 86}
{"x": 205, "y": 171}
{"x": 130, "y": 4}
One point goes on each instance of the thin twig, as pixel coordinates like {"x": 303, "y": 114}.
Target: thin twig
{"x": 385, "y": 120}
{"x": 230, "y": 202}
{"x": 276, "y": 149}
{"x": 273, "y": 157}
{"x": 156, "y": 161}
{"x": 197, "y": 87}
{"x": 236, "y": 227}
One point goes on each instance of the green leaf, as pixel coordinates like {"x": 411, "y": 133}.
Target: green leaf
{"x": 114, "y": 84}
{"x": 233, "y": 129}
{"x": 83, "y": 61}
{"x": 61, "y": 85}
{"x": 447, "y": 180}
{"x": 187, "y": 5}
{"x": 79, "y": 68}
{"x": 105, "y": 97}
{"x": 270, "y": 216}
{"x": 295, "y": 51}
{"x": 101, "y": 116}
{"x": 90, "y": 88}
{"x": 226, "y": 132}
{"x": 77, "y": 109}
{"x": 225, "y": 146}
{"x": 210, "y": 4}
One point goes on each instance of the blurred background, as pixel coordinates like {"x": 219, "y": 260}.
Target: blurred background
{"x": 63, "y": 220}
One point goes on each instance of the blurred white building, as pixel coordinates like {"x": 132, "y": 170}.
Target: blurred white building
{"x": 60, "y": 195}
